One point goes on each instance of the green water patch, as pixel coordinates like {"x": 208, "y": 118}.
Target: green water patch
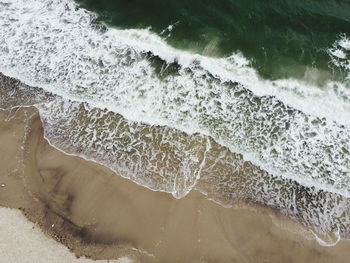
{"x": 281, "y": 38}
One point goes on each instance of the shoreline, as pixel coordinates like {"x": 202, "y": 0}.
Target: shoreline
{"x": 99, "y": 215}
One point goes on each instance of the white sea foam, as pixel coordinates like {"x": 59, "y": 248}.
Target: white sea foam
{"x": 291, "y": 128}
{"x": 340, "y": 56}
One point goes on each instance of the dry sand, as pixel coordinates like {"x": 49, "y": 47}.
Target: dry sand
{"x": 22, "y": 241}
{"x": 97, "y": 214}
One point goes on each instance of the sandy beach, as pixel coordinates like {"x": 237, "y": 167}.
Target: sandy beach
{"x": 174, "y": 131}
{"x": 99, "y": 215}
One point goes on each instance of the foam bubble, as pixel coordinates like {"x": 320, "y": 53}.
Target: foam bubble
{"x": 340, "y": 54}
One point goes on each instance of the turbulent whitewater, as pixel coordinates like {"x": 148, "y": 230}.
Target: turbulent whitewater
{"x": 172, "y": 120}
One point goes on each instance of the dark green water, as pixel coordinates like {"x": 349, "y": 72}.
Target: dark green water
{"x": 280, "y": 37}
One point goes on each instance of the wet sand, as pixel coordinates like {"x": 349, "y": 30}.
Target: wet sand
{"x": 99, "y": 215}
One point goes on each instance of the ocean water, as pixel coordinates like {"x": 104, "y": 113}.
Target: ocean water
{"x": 241, "y": 100}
